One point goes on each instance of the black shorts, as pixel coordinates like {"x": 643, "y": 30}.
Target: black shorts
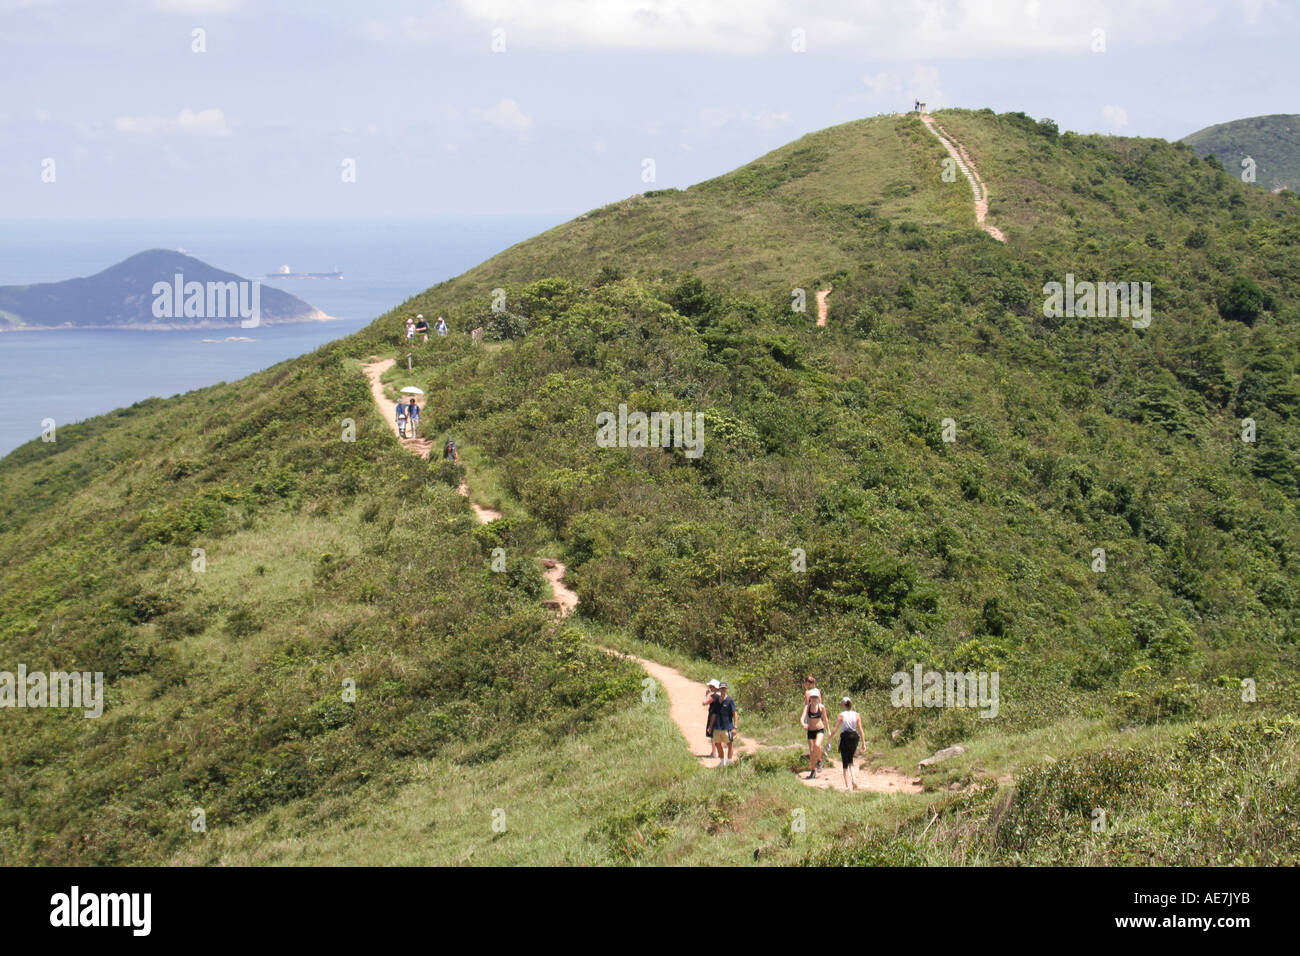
{"x": 812, "y": 734}
{"x": 848, "y": 746}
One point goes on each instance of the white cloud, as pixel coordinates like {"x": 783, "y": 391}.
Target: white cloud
{"x": 1116, "y": 117}
{"x": 770, "y": 119}
{"x": 139, "y": 124}
{"x": 42, "y": 116}
{"x": 507, "y": 115}
{"x": 197, "y": 6}
{"x": 882, "y": 83}
{"x": 201, "y": 123}
{"x": 894, "y": 30}
{"x": 706, "y": 26}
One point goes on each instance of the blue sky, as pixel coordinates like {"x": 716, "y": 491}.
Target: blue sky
{"x": 561, "y": 119}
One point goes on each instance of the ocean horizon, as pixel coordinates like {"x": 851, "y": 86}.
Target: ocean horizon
{"x": 69, "y": 375}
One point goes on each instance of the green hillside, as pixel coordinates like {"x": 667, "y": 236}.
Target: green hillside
{"x": 330, "y": 560}
{"x": 1273, "y": 142}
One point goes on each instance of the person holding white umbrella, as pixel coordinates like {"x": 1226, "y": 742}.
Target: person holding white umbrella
{"x": 413, "y": 410}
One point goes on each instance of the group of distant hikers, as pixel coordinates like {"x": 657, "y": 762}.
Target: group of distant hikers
{"x": 418, "y": 326}
{"x": 723, "y": 723}
{"x": 408, "y": 412}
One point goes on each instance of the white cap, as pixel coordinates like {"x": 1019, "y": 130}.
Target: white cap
{"x": 714, "y": 683}
{"x": 419, "y": 316}
{"x": 814, "y": 692}
{"x": 846, "y": 701}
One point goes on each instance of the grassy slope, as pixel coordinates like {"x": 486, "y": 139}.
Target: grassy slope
{"x": 1073, "y": 435}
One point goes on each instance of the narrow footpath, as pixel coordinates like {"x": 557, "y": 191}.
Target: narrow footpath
{"x": 685, "y": 696}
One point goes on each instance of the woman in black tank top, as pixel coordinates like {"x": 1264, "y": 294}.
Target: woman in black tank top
{"x": 813, "y": 719}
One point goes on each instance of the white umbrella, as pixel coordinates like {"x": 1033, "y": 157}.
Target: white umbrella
{"x": 412, "y": 390}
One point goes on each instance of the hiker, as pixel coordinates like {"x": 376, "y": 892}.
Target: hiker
{"x": 809, "y": 685}
{"x": 440, "y": 326}
{"x": 413, "y": 417}
{"x": 710, "y": 701}
{"x": 449, "y": 452}
{"x": 813, "y": 719}
{"x": 724, "y": 725}
{"x": 410, "y": 332}
{"x": 809, "y": 688}
{"x": 401, "y": 419}
{"x": 849, "y": 726}
{"x": 422, "y": 327}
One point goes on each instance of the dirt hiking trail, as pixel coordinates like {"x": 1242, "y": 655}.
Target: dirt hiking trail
{"x": 958, "y": 152}
{"x": 417, "y": 446}
{"x": 821, "y": 306}
{"x": 685, "y": 696}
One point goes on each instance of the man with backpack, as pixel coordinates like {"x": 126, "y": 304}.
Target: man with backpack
{"x": 401, "y": 419}
{"x": 422, "y": 327}
{"x": 449, "y": 452}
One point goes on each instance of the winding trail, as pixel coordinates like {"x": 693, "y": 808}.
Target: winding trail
{"x": 821, "y": 306}
{"x": 685, "y": 696}
{"x": 417, "y": 446}
{"x": 958, "y": 152}
{"x": 374, "y": 373}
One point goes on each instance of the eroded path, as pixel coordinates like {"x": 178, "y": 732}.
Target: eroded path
{"x": 958, "y": 152}
{"x": 821, "y": 306}
{"x": 417, "y": 446}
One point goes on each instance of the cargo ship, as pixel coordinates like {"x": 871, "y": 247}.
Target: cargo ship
{"x": 286, "y": 273}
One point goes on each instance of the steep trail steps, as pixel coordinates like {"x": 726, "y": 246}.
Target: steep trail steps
{"x": 959, "y": 155}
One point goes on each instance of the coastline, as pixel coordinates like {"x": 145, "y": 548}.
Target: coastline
{"x": 201, "y": 326}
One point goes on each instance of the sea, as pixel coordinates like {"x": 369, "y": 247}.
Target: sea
{"x": 70, "y": 375}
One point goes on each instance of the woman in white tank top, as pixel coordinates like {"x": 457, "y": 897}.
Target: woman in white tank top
{"x": 849, "y": 727}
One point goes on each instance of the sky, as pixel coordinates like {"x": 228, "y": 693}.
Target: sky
{"x": 273, "y": 108}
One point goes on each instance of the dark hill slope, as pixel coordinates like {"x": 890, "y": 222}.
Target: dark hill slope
{"x": 1273, "y": 142}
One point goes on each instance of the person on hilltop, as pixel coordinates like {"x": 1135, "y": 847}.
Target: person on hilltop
{"x": 711, "y": 702}
{"x": 410, "y": 332}
{"x": 449, "y": 452}
{"x": 401, "y": 419}
{"x": 422, "y": 328}
{"x": 724, "y": 726}
{"x": 440, "y": 326}
{"x": 849, "y": 726}
{"x": 813, "y": 720}
{"x": 413, "y": 417}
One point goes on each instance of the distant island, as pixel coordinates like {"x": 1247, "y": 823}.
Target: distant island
{"x": 155, "y": 290}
